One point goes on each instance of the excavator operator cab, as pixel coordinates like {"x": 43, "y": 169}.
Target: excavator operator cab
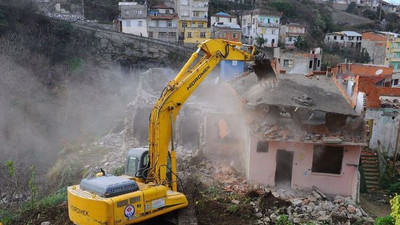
{"x": 137, "y": 162}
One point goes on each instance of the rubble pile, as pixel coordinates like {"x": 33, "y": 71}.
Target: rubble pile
{"x": 390, "y": 103}
{"x": 281, "y": 132}
{"x": 314, "y": 209}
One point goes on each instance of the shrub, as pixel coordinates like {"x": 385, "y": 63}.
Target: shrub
{"x": 118, "y": 171}
{"x": 387, "y": 220}
{"x": 283, "y": 220}
{"x": 395, "y": 206}
{"x": 394, "y": 188}
{"x": 387, "y": 178}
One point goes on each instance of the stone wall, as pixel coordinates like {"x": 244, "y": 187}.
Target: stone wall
{"x": 136, "y": 51}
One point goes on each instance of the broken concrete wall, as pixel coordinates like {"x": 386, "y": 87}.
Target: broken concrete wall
{"x": 263, "y": 166}
{"x": 385, "y": 123}
{"x": 224, "y": 138}
{"x": 294, "y": 62}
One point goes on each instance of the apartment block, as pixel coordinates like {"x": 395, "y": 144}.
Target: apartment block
{"x": 193, "y": 18}
{"x": 262, "y": 24}
{"x": 163, "y": 23}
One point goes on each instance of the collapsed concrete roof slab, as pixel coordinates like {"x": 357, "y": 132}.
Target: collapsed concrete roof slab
{"x": 319, "y": 92}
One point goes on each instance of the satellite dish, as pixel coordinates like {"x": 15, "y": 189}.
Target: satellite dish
{"x": 379, "y": 72}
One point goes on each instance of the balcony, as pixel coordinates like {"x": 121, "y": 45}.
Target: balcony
{"x": 200, "y": 18}
{"x": 272, "y": 25}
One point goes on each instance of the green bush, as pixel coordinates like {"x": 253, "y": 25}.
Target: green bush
{"x": 118, "y": 171}
{"x": 395, "y": 207}
{"x": 387, "y": 220}
{"x": 283, "y": 220}
{"x": 387, "y": 178}
{"x": 394, "y": 188}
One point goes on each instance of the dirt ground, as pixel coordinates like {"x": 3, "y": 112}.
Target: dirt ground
{"x": 376, "y": 204}
{"x": 57, "y": 215}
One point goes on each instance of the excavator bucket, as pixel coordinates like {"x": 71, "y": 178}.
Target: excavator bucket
{"x": 264, "y": 70}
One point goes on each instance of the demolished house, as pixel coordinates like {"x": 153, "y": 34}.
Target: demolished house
{"x": 301, "y": 133}
{"x": 368, "y": 88}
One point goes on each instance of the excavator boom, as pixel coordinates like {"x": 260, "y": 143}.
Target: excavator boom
{"x": 149, "y": 186}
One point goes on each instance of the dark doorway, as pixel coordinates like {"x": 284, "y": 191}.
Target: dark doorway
{"x": 284, "y": 164}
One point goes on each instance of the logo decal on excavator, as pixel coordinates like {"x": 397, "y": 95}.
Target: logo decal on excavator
{"x": 197, "y": 78}
{"x": 129, "y": 212}
{"x": 79, "y": 211}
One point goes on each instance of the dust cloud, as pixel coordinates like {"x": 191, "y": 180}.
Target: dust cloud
{"x": 38, "y": 120}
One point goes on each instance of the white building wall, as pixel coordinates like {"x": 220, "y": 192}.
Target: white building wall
{"x": 384, "y": 131}
{"x": 131, "y": 26}
{"x": 215, "y": 19}
{"x": 360, "y": 102}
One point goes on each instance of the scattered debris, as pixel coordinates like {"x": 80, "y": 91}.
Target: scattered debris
{"x": 304, "y": 100}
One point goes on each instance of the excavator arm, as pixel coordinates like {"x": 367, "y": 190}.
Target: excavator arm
{"x": 174, "y": 96}
{"x": 145, "y": 191}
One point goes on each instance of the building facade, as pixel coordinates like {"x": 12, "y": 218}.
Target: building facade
{"x": 193, "y": 19}
{"x": 223, "y": 17}
{"x": 344, "y": 39}
{"x": 383, "y": 48}
{"x": 163, "y": 23}
{"x": 292, "y": 61}
{"x": 290, "y": 142}
{"x": 227, "y": 31}
{"x": 375, "y": 44}
{"x": 290, "y": 32}
{"x": 261, "y": 24}
{"x": 368, "y": 89}
{"x": 133, "y": 18}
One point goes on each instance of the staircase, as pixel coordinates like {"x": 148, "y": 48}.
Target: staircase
{"x": 370, "y": 166}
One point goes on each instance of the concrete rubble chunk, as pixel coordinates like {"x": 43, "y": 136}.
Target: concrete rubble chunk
{"x": 351, "y": 209}
{"x": 297, "y": 202}
{"x": 275, "y": 194}
{"x": 234, "y": 201}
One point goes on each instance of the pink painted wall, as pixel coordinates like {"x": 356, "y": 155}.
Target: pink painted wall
{"x": 262, "y": 168}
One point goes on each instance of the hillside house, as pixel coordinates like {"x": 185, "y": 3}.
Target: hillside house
{"x": 290, "y": 32}
{"x": 344, "y": 39}
{"x": 227, "y": 31}
{"x": 293, "y": 61}
{"x": 302, "y": 133}
{"x": 375, "y": 44}
{"x": 387, "y": 7}
{"x": 223, "y": 17}
{"x": 163, "y": 23}
{"x": 368, "y": 89}
{"x": 383, "y": 48}
{"x": 193, "y": 19}
{"x": 133, "y": 18}
{"x": 262, "y": 24}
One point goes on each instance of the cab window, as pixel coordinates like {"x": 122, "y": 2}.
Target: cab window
{"x": 132, "y": 166}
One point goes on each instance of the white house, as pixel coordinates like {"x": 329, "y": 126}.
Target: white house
{"x": 133, "y": 18}
{"x": 261, "y": 24}
{"x": 346, "y": 39}
{"x": 224, "y": 18}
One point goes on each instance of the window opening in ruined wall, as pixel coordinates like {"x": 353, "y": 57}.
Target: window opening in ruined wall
{"x": 327, "y": 159}
{"x": 262, "y": 146}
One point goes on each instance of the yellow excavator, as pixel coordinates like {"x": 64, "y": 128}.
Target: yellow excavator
{"x": 149, "y": 186}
